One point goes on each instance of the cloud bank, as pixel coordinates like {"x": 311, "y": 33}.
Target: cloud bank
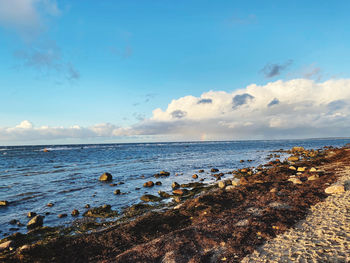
{"x": 299, "y": 108}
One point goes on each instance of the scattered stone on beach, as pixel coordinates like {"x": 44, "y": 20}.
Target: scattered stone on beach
{"x": 62, "y": 215}
{"x": 214, "y": 170}
{"x": 298, "y": 149}
{"x": 292, "y": 168}
{"x": 50, "y": 204}
{"x": 313, "y": 170}
{"x": 87, "y": 206}
{"x": 36, "y": 221}
{"x": 201, "y": 171}
{"x": 4, "y": 203}
{"x": 175, "y": 185}
{"x": 116, "y": 192}
{"x": 148, "y": 184}
{"x": 295, "y": 180}
{"x": 293, "y": 159}
{"x": 195, "y": 176}
{"x": 164, "y": 194}
{"x": 106, "y": 177}
{"x": 150, "y": 198}
{"x": 313, "y": 177}
{"x": 335, "y": 189}
{"x": 162, "y": 174}
{"x": 31, "y": 214}
{"x": 6, "y": 245}
{"x": 158, "y": 183}
{"x": 75, "y": 212}
{"x": 301, "y": 169}
{"x": 222, "y": 184}
{"x": 102, "y": 211}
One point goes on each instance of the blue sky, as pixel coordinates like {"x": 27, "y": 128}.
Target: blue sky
{"x": 88, "y": 63}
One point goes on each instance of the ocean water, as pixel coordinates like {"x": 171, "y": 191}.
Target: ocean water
{"x": 68, "y": 175}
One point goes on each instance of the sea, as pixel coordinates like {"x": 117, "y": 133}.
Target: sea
{"x": 67, "y": 175}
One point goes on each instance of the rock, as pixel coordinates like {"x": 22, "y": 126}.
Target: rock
{"x": 13, "y": 222}
{"x": 148, "y": 184}
{"x": 214, "y": 170}
{"x": 273, "y": 190}
{"x": 177, "y": 199}
{"x": 175, "y": 185}
{"x": 36, "y": 221}
{"x": 162, "y": 173}
{"x": 313, "y": 169}
{"x": 31, "y": 214}
{"x": 235, "y": 182}
{"x": 229, "y": 188}
{"x": 201, "y": 171}
{"x": 150, "y": 198}
{"x": 116, "y": 192}
{"x": 301, "y": 169}
{"x": 105, "y": 177}
{"x": 244, "y": 170}
{"x": 298, "y": 149}
{"x": 4, "y": 203}
{"x": 178, "y": 192}
{"x": 87, "y": 206}
{"x": 313, "y": 177}
{"x": 50, "y": 205}
{"x": 195, "y": 176}
{"x": 164, "y": 194}
{"x": 293, "y": 158}
{"x": 221, "y": 184}
{"x": 75, "y": 212}
{"x": 243, "y": 181}
{"x": 24, "y": 247}
{"x": 292, "y": 168}
{"x": 278, "y": 205}
{"x": 62, "y": 215}
{"x": 335, "y": 189}
{"x": 102, "y": 211}
{"x": 158, "y": 183}
{"x": 6, "y": 245}
{"x": 295, "y": 180}
{"x": 241, "y": 161}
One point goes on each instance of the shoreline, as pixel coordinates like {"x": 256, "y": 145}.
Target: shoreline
{"x": 202, "y": 229}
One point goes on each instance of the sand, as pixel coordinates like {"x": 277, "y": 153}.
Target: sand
{"x": 324, "y": 236}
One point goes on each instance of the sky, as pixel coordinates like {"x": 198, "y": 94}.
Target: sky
{"x": 107, "y": 71}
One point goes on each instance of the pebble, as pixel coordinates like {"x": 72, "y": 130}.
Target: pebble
{"x": 335, "y": 189}
{"x": 195, "y": 176}
{"x": 301, "y": 169}
{"x": 106, "y": 177}
{"x": 148, "y": 184}
{"x": 178, "y": 192}
{"x": 295, "y": 180}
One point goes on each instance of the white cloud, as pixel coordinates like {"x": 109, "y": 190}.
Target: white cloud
{"x": 305, "y": 108}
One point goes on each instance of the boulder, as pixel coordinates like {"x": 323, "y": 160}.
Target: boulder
{"x": 148, "y": 184}
{"x": 102, "y": 211}
{"x": 75, "y": 212}
{"x": 335, "y": 189}
{"x": 243, "y": 181}
{"x": 4, "y": 203}
{"x": 150, "y": 198}
{"x": 106, "y": 177}
{"x": 36, "y": 221}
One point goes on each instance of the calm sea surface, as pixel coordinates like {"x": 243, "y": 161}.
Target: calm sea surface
{"x": 68, "y": 175}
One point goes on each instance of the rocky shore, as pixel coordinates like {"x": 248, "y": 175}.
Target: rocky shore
{"x": 222, "y": 222}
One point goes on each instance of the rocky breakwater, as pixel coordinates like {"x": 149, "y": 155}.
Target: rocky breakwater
{"x": 222, "y": 224}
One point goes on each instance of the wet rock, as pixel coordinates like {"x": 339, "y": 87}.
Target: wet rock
{"x": 180, "y": 191}
{"x": 148, "y": 184}
{"x": 301, "y": 169}
{"x": 335, "y": 189}
{"x": 50, "y": 205}
{"x": 298, "y": 149}
{"x": 195, "y": 176}
{"x": 241, "y": 161}
{"x": 116, "y": 192}
{"x": 106, "y": 177}
{"x": 234, "y": 182}
{"x": 13, "y": 222}
{"x": 113, "y": 184}
{"x": 102, "y": 211}
{"x": 175, "y": 185}
{"x": 164, "y": 194}
{"x": 162, "y": 173}
{"x": 31, "y": 214}
{"x": 313, "y": 177}
{"x": 136, "y": 209}
{"x": 75, "y": 212}
{"x": 230, "y": 188}
{"x": 295, "y": 180}
{"x": 24, "y": 248}
{"x": 120, "y": 183}
{"x": 158, "y": 183}
{"x": 4, "y": 203}
{"x": 6, "y": 245}
{"x": 201, "y": 171}
{"x": 87, "y": 206}
{"x": 292, "y": 168}
{"x": 150, "y": 198}
{"x": 313, "y": 169}
{"x": 137, "y": 188}
{"x": 177, "y": 199}
{"x": 293, "y": 159}
{"x": 62, "y": 215}
{"x": 243, "y": 181}
{"x": 222, "y": 184}
{"x": 243, "y": 170}
{"x": 36, "y": 221}
{"x": 214, "y": 170}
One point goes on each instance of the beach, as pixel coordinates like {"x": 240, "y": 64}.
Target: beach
{"x": 221, "y": 222}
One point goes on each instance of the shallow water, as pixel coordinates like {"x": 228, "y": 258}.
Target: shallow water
{"x": 68, "y": 175}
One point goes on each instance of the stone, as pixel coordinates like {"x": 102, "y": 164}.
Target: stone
{"x": 62, "y": 215}
{"x": 313, "y": 170}
{"x": 214, "y": 170}
{"x": 175, "y": 185}
{"x": 195, "y": 176}
{"x": 292, "y": 168}
{"x": 295, "y": 180}
{"x": 335, "y": 189}
{"x": 50, "y": 205}
{"x": 164, "y": 194}
{"x": 162, "y": 173}
{"x": 150, "y": 198}
{"x": 75, "y": 212}
{"x": 293, "y": 158}
{"x": 298, "y": 149}
{"x": 4, "y": 203}
{"x": 177, "y": 199}
{"x": 13, "y": 222}
{"x": 244, "y": 170}
{"x": 201, "y": 171}
{"x": 148, "y": 184}
{"x": 178, "y": 192}
{"x": 24, "y": 247}
{"x": 102, "y": 211}
{"x": 229, "y": 188}
{"x": 106, "y": 177}
{"x": 221, "y": 184}
{"x": 116, "y": 192}
{"x": 241, "y": 161}
{"x": 301, "y": 169}
{"x": 31, "y": 214}
{"x": 234, "y": 182}
{"x": 87, "y": 206}
{"x": 158, "y": 183}
{"x": 6, "y": 245}
{"x": 243, "y": 181}
{"x": 36, "y": 221}
{"x": 313, "y": 177}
